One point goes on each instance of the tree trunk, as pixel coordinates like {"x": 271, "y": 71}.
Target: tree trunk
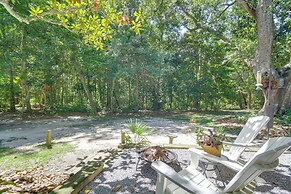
{"x": 275, "y": 94}
{"x": 170, "y": 92}
{"x": 240, "y": 100}
{"x": 129, "y": 92}
{"x": 84, "y": 84}
{"x": 249, "y": 100}
{"x": 108, "y": 97}
{"x": 12, "y": 92}
{"x": 25, "y": 88}
{"x": 85, "y": 87}
{"x": 263, "y": 59}
{"x": 109, "y": 92}
{"x": 112, "y": 88}
{"x": 281, "y": 89}
{"x": 137, "y": 92}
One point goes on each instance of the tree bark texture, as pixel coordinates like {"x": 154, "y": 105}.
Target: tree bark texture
{"x": 86, "y": 89}
{"x": 12, "y": 92}
{"x": 24, "y": 86}
{"x": 137, "y": 92}
{"x": 84, "y": 84}
{"x": 275, "y": 94}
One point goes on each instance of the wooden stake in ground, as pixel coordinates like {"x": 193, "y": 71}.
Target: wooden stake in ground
{"x": 49, "y": 139}
{"x": 122, "y": 137}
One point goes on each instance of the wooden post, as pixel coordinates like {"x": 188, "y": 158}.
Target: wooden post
{"x": 49, "y": 139}
{"x": 122, "y": 137}
{"x": 171, "y": 138}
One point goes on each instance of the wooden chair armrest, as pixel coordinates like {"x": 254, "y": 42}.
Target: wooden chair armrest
{"x": 197, "y": 153}
{"x": 173, "y": 176}
{"x": 242, "y": 144}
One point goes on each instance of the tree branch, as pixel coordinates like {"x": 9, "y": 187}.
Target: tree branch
{"x": 206, "y": 28}
{"x": 10, "y": 10}
{"x": 227, "y": 6}
{"x": 215, "y": 33}
{"x": 22, "y": 19}
{"x": 243, "y": 4}
{"x": 55, "y": 23}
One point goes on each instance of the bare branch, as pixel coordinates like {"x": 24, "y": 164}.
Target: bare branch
{"x": 243, "y": 4}
{"x": 227, "y": 6}
{"x": 215, "y": 33}
{"x": 206, "y": 28}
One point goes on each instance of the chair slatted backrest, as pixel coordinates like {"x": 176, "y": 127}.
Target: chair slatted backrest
{"x": 266, "y": 158}
{"x": 248, "y": 133}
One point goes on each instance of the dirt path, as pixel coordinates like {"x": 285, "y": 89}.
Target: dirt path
{"x": 87, "y": 134}
{"x": 15, "y": 133}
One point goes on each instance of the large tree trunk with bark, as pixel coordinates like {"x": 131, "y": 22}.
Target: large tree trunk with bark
{"x": 277, "y": 95}
{"x": 282, "y": 94}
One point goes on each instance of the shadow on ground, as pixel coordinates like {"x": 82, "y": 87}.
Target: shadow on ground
{"x": 124, "y": 176}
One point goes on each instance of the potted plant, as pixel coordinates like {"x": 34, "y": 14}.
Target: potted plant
{"x": 211, "y": 141}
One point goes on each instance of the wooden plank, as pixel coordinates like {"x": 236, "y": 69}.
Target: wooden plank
{"x": 169, "y": 146}
{"x": 179, "y": 146}
{"x": 79, "y": 180}
{"x": 179, "y": 180}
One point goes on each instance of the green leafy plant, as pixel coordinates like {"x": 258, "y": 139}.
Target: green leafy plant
{"x": 284, "y": 118}
{"x": 214, "y": 138}
{"x": 243, "y": 117}
{"x": 139, "y": 132}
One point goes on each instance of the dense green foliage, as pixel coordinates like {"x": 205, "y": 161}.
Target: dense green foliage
{"x": 165, "y": 66}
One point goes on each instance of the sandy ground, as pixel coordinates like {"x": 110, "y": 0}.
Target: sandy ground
{"x": 87, "y": 134}
{"x": 85, "y": 131}
{"x": 90, "y": 136}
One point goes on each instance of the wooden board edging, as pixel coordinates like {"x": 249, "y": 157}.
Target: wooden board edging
{"x": 79, "y": 180}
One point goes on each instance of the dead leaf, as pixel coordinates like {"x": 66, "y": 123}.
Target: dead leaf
{"x": 87, "y": 190}
{"x": 116, "y": 188}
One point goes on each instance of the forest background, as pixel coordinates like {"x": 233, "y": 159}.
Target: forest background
{"x": 155, "y": 55}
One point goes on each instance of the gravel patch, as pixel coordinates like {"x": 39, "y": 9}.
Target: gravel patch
{"x": 123, "y": 174}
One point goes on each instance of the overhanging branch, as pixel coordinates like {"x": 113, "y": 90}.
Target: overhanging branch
{"x": 243, "y": 4}
{"x": 41, "y": 16}
{"x": 10, "y": 10}
{"x": 206, "y": 28}
{"x": 227, "y": 6}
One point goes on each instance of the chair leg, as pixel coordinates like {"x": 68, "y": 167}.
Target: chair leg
{"x": 215, "y": 168}
{"x": 217, "y": 172}
{"x": 161, "y": 184}
{"x": 137, "y": 163}
{"x": 204, "y": 168}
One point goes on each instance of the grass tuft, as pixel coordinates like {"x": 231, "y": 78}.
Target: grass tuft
{"x": 20, "y": 159}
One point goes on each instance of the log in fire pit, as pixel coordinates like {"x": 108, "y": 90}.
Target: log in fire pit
{"x": 154, "y": 153}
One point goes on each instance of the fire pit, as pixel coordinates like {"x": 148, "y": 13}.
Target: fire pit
{"x": 154, "y": 153}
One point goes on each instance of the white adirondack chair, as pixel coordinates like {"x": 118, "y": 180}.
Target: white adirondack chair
{"x": 248, "y": 133}
{"x": 191, "y": 180}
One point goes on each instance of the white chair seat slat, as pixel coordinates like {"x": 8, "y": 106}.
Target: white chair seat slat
{"x": 177, "y": 191}
{"x": 192, "y": 175}
{"x": 192, "y": 181}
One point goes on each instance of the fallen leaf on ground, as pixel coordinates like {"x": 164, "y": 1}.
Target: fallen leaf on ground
{"x": 87, "y": 190}
{"x": 116, "y": 188}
